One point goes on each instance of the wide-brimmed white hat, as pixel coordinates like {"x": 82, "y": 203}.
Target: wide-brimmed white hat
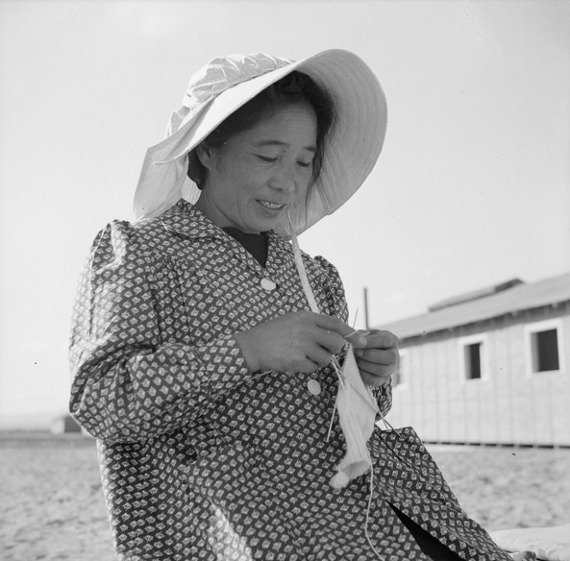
{"x": 352, "y": 145}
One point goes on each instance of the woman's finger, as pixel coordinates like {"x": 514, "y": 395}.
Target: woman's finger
{"x": 306, "y": 366}
{"x": 373, "y": 381}
{"x": 331, "y": 341}
{"x": 318, "y": 355}
{"x": 357, "y": 338}
{"x": 333, "y": 324}
{"x": 377, "y": 339}
{"x": 375, "y": 369}
{"x": 378, "y": 356}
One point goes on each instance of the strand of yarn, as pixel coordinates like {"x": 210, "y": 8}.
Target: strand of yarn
{"x": 336, "y": 367}
{"x": 312, "y": 303}
{"x": 368, "y": 509}
{"x": 315, "y": 308}
{"x": 371, "y": 495}
{"x": 301, "y": 269}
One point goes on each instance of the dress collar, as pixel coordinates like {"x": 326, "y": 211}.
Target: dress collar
{"x": 184, "y": 219}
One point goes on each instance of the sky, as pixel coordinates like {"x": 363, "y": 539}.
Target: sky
{"x": 472, "y": 187}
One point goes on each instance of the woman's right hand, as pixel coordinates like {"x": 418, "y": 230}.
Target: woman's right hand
{"x": 294, "y": 342}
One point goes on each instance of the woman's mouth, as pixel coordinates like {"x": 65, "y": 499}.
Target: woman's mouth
{"x": 271, "y": 206}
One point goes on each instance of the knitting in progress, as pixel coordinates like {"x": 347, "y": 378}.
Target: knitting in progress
{"x": 355, "y": 403}
{"x": 357, "y": 411}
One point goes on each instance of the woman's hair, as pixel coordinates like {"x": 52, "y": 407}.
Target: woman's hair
{"x": 293, "y": 88}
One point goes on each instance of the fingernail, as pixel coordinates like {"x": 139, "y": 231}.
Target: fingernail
{"x": 362, "y": 341}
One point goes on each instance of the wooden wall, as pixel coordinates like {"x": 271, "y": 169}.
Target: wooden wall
{"x": 509, "y": 406}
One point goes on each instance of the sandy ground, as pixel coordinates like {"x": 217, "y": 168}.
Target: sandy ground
{"x": 52, "y": 506}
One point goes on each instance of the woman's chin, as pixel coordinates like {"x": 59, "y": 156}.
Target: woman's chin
{"x": 268, "y": 219}
{"x": 264, "y": 225}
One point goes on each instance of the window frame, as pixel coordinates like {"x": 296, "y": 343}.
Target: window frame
{"x": 531, "y": 329}
{"x": 463, "y": 343}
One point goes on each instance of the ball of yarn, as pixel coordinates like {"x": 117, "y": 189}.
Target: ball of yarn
{"x": 339, "y": 480}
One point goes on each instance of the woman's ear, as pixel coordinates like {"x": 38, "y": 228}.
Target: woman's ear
{"x": 205, "y": 154}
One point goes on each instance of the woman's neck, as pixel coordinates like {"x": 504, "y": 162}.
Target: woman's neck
{"x": 213, "y": 213}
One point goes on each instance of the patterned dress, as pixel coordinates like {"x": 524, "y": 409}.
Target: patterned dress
{"x": 203, "y": 459}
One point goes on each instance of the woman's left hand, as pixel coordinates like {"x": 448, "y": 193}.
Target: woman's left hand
{"x": 377, "y": 359}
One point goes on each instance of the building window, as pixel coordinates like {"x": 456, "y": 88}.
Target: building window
{"x": 473, "y": 357}
{"x": 473, "y": 361}
{"x": 545, "y": 350}
{"x": 544, "y": 346}
{"x": 400, "y": 377}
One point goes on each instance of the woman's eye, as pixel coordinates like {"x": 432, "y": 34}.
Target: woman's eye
{"x": 267, "y": 159}
{"x": 305, "y": 164}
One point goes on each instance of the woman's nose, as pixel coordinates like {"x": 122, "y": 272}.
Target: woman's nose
{"x": 284, "y": 180}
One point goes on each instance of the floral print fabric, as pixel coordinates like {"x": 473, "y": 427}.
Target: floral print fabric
{"x": 201, "y": 458}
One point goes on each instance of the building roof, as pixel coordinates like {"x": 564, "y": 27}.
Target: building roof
{"x": 474, "y": 295}
{"x": 518, "y": 298}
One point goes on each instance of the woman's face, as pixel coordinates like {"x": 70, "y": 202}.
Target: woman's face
{"x": 259, "y": 173}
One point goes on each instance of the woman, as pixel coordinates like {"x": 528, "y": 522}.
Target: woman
{"x": 210, "y": 386}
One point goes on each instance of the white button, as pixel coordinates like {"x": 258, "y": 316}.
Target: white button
{"x": 268, "y": 284}
{"x": 314, "y": 387}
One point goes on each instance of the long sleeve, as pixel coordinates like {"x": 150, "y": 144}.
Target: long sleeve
{"x": 129, "y": 383}
{"x": 383, "y": 394}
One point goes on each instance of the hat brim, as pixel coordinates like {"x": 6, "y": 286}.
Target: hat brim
{"x": 351, "y": 150}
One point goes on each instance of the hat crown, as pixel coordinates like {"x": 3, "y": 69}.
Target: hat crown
{"x": 223, "y": 73}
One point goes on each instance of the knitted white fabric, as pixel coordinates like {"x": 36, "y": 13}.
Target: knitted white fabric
{"x": 357, "y": 409}
{"x": 355, "y": 403}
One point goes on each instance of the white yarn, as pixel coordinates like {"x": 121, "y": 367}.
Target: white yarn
{"x": 341, "y": 479}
